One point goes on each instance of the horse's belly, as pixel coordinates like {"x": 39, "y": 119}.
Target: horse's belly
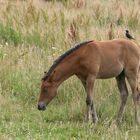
{"x": 109, "y": 71}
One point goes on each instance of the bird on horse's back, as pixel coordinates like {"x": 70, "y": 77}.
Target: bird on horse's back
{"x": 92, "y": 60}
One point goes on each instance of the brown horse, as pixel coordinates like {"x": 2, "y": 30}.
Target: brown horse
{"x": 92, "y": 60}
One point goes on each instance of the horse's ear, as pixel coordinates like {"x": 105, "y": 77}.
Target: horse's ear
{"x": 52, "y": 76}
{"x": 48, "y": 84}
{"x": 53, "y": 72}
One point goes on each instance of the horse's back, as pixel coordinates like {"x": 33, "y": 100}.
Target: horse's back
{"x": 113, "y": 56}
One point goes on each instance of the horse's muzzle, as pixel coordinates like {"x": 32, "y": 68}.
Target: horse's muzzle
{"x": 41, "y": 106}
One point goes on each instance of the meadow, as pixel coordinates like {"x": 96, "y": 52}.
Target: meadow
{"x": 32, "y": 35}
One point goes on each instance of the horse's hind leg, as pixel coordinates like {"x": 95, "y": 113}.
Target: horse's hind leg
{"x": 132, "y": 77}
{"x": 123, "y": 95}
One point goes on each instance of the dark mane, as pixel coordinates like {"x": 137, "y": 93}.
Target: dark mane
{"x": 59, "y": 60}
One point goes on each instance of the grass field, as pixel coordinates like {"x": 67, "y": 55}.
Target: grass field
{"x": 32, "y": 35}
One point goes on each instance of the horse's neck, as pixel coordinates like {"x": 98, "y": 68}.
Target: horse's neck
{"x": 64, "y": 71}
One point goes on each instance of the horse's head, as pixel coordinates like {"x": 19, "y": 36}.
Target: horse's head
{"x": 47, "y": 93}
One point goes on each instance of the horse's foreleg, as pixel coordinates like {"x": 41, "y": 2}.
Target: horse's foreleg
{"x": 123, "y": 95}
{"x": 89, "y": 100}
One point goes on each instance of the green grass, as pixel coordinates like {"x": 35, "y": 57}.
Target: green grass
{"x": 32, "y": 35}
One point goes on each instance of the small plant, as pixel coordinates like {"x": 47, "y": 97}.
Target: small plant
{"x": 133, "y": 21}
{"x": 79, "y": 3}
{"x": 30, "y": 15}
{"x": 62, "y": 20}
{"x": 73, "y": 31}
{"x": 8, "y": 34}
{"x": 120, "y": 19}
{"x": 97, "y": 12}
{"x": 110, "y": 32}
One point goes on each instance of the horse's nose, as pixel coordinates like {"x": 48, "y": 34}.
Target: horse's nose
{"x": 41, "y": 106}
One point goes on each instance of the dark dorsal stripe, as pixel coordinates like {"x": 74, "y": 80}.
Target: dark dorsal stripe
{"x": 59, "y": 60}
